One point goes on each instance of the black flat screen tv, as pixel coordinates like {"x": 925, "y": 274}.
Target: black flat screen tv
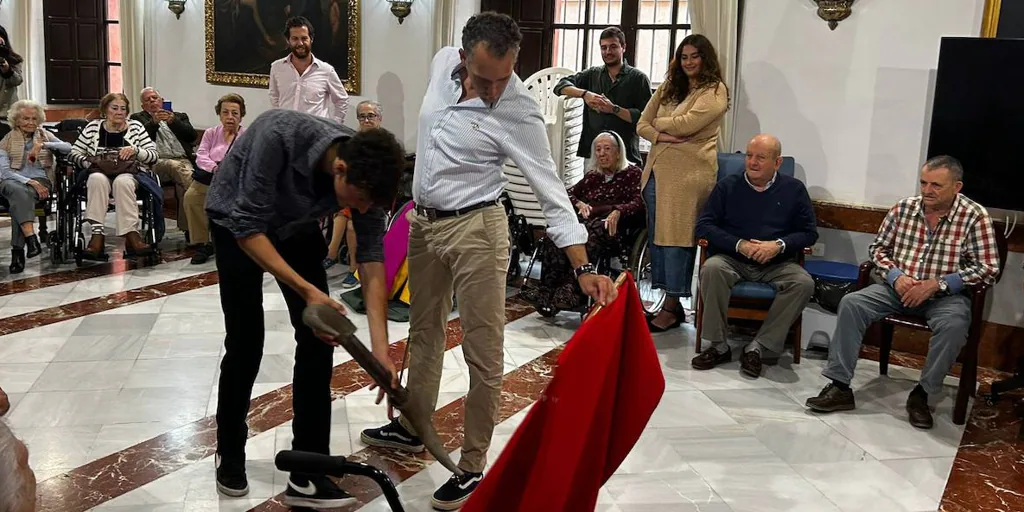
{"x": 978, "y": 117}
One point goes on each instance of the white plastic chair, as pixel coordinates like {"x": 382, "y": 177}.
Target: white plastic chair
{"x": 563, "y": 117}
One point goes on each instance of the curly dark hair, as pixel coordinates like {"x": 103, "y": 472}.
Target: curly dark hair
{"x": 375, "y": 161}
{"x": 498, "y": 31}
{"x": 677, "y": 84}
{"x": 295, "y": 22}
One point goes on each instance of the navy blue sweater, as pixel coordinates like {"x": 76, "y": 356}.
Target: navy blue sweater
{"x": 736, "y": 211}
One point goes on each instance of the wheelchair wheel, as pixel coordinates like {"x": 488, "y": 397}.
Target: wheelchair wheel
{"x": 640, "y": 258}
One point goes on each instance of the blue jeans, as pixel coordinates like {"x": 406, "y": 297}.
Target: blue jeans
{"x": 671, "y": 267}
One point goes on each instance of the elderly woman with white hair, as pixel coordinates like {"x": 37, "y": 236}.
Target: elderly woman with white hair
{"x": 17, "y": 481}
{"x": 607, "y": 199}
{"x": 25, "y": 161}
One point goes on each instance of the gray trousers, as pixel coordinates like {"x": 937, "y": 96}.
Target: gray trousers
{"x": 949, "y": 318}
{"x": 22, "y": 199}
{"x": 793, "y": 285}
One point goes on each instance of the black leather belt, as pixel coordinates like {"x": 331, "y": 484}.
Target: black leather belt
{"x": 433, "y": 214}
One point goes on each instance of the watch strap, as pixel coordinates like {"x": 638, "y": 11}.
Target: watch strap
{"x": 586, "y": 268}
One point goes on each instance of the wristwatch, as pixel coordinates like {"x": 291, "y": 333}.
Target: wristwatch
{"x": 943, "y": 285}
{"x": 586, "y": 268}
{"x": 616, "y": 109}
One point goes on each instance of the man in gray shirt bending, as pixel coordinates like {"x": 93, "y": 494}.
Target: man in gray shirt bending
{"x": 288, "y": 170}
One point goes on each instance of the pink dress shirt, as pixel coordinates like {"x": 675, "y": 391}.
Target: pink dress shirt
{"x": 312, "y": 92}
{"x": 213, "y": 147}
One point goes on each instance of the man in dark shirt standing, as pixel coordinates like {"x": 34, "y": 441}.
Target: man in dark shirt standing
{"x": 284, "y": 173}
{"x": 616, "y": 94}
{"x": 755, "y": 224}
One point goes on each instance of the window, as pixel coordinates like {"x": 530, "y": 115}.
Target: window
{"x": 82, "y": 49}
{"x": 653, "y": 28}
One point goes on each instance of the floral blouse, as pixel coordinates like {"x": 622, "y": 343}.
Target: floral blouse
{"x": 620, "y": 192}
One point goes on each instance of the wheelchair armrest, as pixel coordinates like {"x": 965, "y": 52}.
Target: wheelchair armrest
{"x": 703, "y": 244}
{"x": 864, "y": 274}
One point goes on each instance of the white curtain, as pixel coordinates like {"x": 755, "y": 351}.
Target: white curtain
{"x": 444, "y": 24}
{"x": 133, "y": 49}
{"x": 21, "y": 40}
{"x": 718, "y": 20}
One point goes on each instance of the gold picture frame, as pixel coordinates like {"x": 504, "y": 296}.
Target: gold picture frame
{"x": 990, "y": 18}
{"x": 352, "y": 64}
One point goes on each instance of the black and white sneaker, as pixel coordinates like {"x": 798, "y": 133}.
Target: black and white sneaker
{"x": 454, "y": 493}
{"x": 392, "y": 435}
{"x": 315, "y": 492}
{"x": 231, "y": 479}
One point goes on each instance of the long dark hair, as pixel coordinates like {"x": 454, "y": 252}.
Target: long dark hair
{"x": 677, "y": 84}
{"x": 6, "y": 51}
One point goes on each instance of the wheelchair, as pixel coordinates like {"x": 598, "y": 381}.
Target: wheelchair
{"x": 68, "y": 242}
{"x": 633, "y": 257}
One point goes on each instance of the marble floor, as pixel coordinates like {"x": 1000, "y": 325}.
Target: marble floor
{"x": 112, "y": 372}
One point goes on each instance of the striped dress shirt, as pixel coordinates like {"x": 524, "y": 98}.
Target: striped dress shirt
{"x": 462, "y": 147}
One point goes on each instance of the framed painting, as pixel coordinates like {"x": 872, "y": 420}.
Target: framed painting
{"x": 1003, "y": 19}
{"x": 243, "y": 37}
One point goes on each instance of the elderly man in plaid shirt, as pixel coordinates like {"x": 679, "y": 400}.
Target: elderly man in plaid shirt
{"x": 928, "y": 250}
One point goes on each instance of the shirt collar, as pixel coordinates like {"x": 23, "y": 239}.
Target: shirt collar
{"x": 316, "y": 62}
{"x": 767, "y": 186}
{"x": 456, "y": 77}
{"x": 953, "y": 208}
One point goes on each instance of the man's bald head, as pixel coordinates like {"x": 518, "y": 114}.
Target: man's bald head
{"x": 764, "y": 157}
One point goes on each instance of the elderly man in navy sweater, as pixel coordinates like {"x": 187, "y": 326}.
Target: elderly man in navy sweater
{"x": 755, "y": 224}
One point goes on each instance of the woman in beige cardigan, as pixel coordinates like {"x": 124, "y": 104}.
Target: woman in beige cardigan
{"x": 681, "y": 121}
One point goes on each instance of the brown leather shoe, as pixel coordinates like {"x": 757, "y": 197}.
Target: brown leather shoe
{"x": 95, "y": 248}
{"x": 750, "y": 363}
{"x": 134, "y": 245}
{"x": 710, "y": 358}
{"x": 832, "y": 399}
{"x": 918, "y": 411}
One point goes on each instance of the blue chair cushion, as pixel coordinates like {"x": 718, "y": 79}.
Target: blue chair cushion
{"x": 750, "y": 290}
{"x": 735, "y": 163}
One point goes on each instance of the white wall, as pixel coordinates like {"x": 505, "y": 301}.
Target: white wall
{"x": 851, "y": 105}
{"x": 395, "y": 62}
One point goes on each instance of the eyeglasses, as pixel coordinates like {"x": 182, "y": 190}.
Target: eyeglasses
{"x": 366, "y": 117}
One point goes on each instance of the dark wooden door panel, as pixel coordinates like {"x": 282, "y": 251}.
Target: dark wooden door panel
{"x": 76, "y": 51}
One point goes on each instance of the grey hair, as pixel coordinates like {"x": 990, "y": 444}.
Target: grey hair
{"x": 14, "y": 114}
{"x": 143, "y": 91}
{"x": 498, "y": 32}
{"x": 12, "y": 479}
{"x": 376, "y": 106}
{"x": 622, "y": 163}
{"x": 946, "y": 162}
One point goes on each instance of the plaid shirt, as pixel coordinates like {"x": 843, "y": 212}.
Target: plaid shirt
{"x": 962, "y": 249}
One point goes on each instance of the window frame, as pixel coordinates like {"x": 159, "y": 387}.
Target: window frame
{"x": 630, "y": 25}
{"x": 107, "y": 63}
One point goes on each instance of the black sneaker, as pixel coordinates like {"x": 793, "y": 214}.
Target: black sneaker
{"x": 315, "y": 492}
{"x": 392, "y": 435}
{"x": 203, "y": 253}
{"x": 231, "y": 479}
{"x": 454, "y": 493}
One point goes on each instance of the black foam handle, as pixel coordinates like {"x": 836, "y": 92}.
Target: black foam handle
{"x": 308, "y": 462}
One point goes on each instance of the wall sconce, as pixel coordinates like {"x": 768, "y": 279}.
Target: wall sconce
{"x": 177, "y": 7}
{"x": 401, "y": 9}
{"x": 834, "y": 11}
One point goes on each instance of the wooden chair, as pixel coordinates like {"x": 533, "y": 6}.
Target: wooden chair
{"x": 968, "y": 355}
{"x": 749, "y": 300}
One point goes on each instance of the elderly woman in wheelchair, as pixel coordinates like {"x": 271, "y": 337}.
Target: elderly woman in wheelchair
{"x": 26, "y": 163}
{"x": 608, "y": 201}
{"x": 114, "y": 153}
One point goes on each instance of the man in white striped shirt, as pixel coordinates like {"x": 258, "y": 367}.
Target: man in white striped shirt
{"x": 476, "y": 114}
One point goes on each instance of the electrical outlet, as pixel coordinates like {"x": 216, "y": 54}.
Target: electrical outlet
{"x": 818, "y": 249}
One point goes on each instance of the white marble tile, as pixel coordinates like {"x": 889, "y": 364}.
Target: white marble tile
{"x": 116, "y": 437}
{"x": 189, "y": 323}
{"x": 116, "y": 324}
{"x": 62, "y": 409}
{"x": 162, "y": 346}
{"x": 885, "y": 436}
{"x": 176, "y": 405}
{"x": 276, "y": 368}
{"x": 56, "y": 448}
{"x": 688, "y": 409}
{"x": 683, "y": 489}
{"x": 762, "y": 487}
{"x": 150, "y": 307}
{"x": 191, "y": 303}
{"x": 759, "y": 405}
{"x": 650, "y": 456}
{"x": 866, "y": 485}
{"x": 18, "y": 378}
{"x": 173, "y": 373}
{"x": 258, "y": 389}
{"x": 61, "y": 329}
{"x": 719, "y": 443}
{"x": 30, "y": 350}
{"x": 928, "y": 475}
{"x": 9, "y": 311}
{"x": 807, "y": 442}
{"x": 83, "y": 376}
{"x": 724, "y": 377}
{"x": 109, "y": 347}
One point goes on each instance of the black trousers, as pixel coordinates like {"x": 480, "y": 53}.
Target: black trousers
{"x": 241, "y": 296}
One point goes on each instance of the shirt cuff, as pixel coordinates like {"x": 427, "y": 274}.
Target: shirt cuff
{"x": 955, "y": 282}
{"x": 893, "y": 275}
{"x": 565, "y": 236}
{"x": 737, "y": 248}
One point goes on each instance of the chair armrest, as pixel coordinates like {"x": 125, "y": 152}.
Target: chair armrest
{"x": 703, "y": 244}
{"x": 864, "y": 275}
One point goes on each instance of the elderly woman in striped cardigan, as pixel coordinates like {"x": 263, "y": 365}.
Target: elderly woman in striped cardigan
{"x": 115, "y": 132}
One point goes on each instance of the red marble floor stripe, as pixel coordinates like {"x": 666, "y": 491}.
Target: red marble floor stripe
{"x": 117, "y": 265}
{"x": 520, "y": 388}
{"x": 116, "y": 474}
{"x": 26, "y": 321}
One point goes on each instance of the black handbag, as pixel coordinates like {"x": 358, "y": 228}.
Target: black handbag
{"x": 206, "y": 177}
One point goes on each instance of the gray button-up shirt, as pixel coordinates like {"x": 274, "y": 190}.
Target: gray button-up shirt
{"x": 462, "y": 146}
{"x": 271, "y": 182}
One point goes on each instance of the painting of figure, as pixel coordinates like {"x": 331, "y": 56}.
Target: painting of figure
{"x": 244, "y": 36}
